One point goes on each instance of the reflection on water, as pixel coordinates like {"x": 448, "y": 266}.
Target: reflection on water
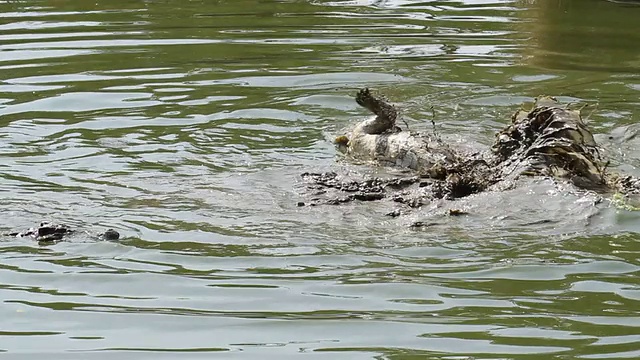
{"x": 185, "y": 126}
{"x": 590, "y": 35}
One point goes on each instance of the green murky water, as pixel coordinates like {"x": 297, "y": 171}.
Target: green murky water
{"x": 185, "y": 125}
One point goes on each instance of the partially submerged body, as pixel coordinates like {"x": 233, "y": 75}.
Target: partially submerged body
{"x": 48, "y": 233}
{"x": 378, "y": 138}
{"x": 549, "y": 140}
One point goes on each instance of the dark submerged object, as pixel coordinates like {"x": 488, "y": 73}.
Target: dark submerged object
{"x": 48, "y": 233}
{"x": 549, "y": 140}
{"x": 110, "y": 235}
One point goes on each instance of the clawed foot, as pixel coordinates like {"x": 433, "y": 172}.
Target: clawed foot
{"x": 376, "y": 104}
{"x": 386, "y": 113}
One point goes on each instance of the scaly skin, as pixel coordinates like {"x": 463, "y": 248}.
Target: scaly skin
{"x": 549, "y": 140}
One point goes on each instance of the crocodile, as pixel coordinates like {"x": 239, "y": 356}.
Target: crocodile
{"x": 549, "y": 140}
{"x": 50, "y": 233}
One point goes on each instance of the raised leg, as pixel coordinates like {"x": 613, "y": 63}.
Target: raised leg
{"x": 386, "y": 113}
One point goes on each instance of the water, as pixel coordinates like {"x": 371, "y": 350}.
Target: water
{"x": 185, "y": 126}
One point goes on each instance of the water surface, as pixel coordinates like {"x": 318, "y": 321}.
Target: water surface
{"x": 185, "y": 125}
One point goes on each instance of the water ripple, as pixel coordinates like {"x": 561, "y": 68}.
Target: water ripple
{"x": 185, "y": 126}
